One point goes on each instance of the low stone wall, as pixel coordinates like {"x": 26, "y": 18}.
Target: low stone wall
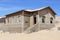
{"x": 47, "y": 26}
{"x": 11, "y": 28}
{"x": 40, "y": 27}
{"x": 17, "y": 28}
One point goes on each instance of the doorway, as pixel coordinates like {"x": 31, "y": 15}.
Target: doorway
{"x": 34, "y": 19}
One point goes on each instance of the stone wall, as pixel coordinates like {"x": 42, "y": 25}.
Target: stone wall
{"x": 12, "y": 28}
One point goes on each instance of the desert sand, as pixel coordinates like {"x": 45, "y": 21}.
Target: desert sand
{"x": 41, "y": 35}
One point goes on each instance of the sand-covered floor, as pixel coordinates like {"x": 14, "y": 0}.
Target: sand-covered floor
{"x": 41, "y": 35}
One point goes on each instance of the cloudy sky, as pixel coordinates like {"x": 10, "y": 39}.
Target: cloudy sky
{"x": 9, "y": 6}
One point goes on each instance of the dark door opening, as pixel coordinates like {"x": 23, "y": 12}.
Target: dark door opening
{"x": 34, "y": 19}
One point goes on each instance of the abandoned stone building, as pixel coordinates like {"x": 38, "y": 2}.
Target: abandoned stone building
{"x": 29, "y": 20}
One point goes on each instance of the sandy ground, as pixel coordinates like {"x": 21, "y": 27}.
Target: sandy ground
{"x": 41, "y": 35}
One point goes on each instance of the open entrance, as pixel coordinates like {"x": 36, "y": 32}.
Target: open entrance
{"x": 34, "y": 19}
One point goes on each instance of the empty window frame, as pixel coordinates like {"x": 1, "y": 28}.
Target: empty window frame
{"x": 51, "y": 20}
{"x": 43, "y": 19}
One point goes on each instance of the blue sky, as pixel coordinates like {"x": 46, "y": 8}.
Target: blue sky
{"x": 9, "y": 6}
